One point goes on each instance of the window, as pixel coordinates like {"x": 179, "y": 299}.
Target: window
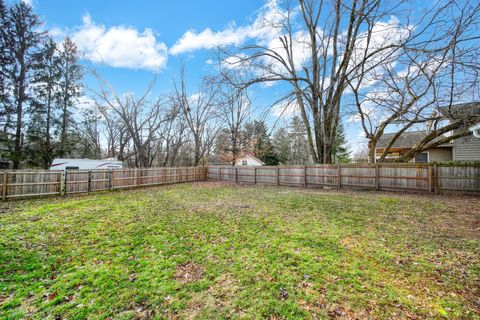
{"x": 71, "y": 168}
{"x": 244, "y": 162}
{"x": 421, "y": 157}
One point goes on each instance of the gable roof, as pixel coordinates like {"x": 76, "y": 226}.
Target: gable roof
{"x": 406, "y": 139}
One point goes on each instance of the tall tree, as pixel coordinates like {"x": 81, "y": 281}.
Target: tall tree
{"x": 233, "y": 110}
{"x": 197, "y": 111}
{"x": 282, "y": 145}
{"x": 6, "y": 61}
{"x": 23, "y": 40}
{"x": 142, "y": 119}
{"x": 70, "y": 83}
{"x": 297, "y": 134}
{"x": 44, "y": 104}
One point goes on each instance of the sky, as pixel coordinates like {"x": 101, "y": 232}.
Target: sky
{"x": 126, "y": 42}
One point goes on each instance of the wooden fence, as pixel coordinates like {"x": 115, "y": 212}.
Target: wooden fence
{"x": 408, "y": 177}
{"x": 24, "y": 184}
{"x": 412, "y": 177}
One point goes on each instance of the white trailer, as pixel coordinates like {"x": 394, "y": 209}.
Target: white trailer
{"x": 85, "y": 164}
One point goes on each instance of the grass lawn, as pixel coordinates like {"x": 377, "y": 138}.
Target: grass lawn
{"x": 215, "y": 251}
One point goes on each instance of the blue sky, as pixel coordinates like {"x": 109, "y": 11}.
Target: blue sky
{"x": 124, "y": 41}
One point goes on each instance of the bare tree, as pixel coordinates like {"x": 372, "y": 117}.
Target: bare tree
{"x": 142, "y": 119}
{"x": 233, "y": 110}
{"x": 419, "y": 83}
{"x": 197, "y": 111}
{"x": 315, "y": 51}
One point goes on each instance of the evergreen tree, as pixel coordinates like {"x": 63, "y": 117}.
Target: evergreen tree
{"x": 44, "y": 105}
{"x": 282, "y": 145}
{"x": 257, "y": 141}
{"x": 341, "y": 151}
{"x": 300, "y": 153}
{"x": 71, "y": 75}
{"x": 23, "y": 40}
{"x": 6, "y": 60}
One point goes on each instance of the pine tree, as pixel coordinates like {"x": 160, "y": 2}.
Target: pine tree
{"x": 44, "y": 105}
{"x": 282, "y": 145}
{"x": 300, "y": 153}
{"x": 6, "y": 61}
{"x": 71, "y": 75}
{"x": 23, "y": 40}
{"x": 257, "y": 141}
{"x": 341, "y": 151}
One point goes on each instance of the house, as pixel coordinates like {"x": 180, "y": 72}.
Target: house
{"x": 406, "y": 141}
{"x": 466, "y": 148}
{"x": 248, "y": 160}
{"x": 463, "y": 149}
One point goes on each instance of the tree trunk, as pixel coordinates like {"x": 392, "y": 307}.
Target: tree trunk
{"x": 17, "y": 154}
{"x": 371, "y": 150}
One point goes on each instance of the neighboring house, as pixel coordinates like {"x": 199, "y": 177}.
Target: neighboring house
{"x": 242, "y": 160}
{"x": 248, "y": 160}
{"x": 463, "y": 149}
{"x": 406, "y": 141}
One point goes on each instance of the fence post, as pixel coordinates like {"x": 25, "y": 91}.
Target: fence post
{"x": 62, "y": 183}
{"x": 110, "y": 182}
{"x": 436, "y": 177}
{"x": 254, "y": 175}
{"x": 339, "y": 176}
{"x": 136, "y": 177}
{"x": 377, "y": 177}
{"x": 65, "y": 183}
{"x": 4, "y": 186}
{"x": 304, "y": 176}
{"x": 236, "y": 174}
{"x": 278, "y": 175}
{"x": 89, "y": 181}
{"x": 430, "y": 178}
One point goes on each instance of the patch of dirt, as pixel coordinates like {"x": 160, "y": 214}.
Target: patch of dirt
{"x": 188, "y": 272}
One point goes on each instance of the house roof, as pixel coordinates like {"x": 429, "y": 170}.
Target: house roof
{"x": 461, "y": 111}
{"x": 406, "y": 139}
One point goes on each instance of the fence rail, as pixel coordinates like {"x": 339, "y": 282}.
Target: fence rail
{"x": 408, "y": 177}
{"x": 25, "y": 184}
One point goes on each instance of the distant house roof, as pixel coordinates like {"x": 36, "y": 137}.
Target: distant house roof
{"x": 406, "y": 139}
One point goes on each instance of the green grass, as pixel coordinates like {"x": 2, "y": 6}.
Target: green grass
{"x": 257, "y": 252}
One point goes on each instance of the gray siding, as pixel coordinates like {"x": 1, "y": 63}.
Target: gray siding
{"x": 440, "y": 154}
{"x": 466, "y": 148}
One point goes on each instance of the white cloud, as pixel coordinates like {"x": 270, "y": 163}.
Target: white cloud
{"x": 120, "y": 46}
{"x": 285, "y": 109}
{"x": 262, "y": 29}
